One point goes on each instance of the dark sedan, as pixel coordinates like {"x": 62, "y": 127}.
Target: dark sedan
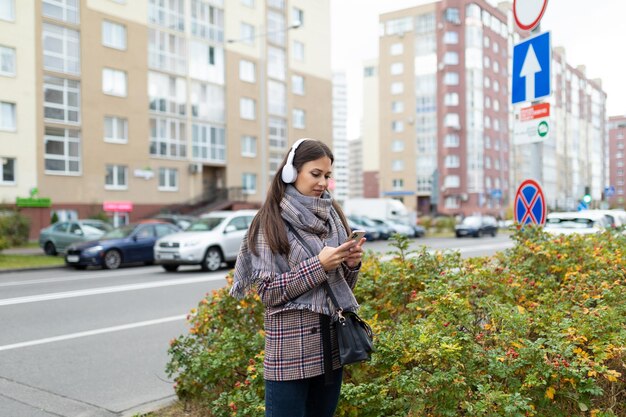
{"x": 133, "y": 243}
{"x": 477, "y": 226}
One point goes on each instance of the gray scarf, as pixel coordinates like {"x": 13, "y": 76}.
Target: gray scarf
{"x": 317, "y": 222}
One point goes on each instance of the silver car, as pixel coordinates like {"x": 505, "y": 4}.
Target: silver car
{"x": 57, "y": 237}
{"x": 213, "y": 239}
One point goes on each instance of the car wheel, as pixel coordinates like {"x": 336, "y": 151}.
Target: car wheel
{"x": 170, "y": 268}
{"x": 112, "y": 259}
{"x": 212, "y": 260}
{"x": 50, "y": 249}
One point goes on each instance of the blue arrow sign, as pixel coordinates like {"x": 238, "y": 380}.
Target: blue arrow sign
{"x": 531, "y": 69}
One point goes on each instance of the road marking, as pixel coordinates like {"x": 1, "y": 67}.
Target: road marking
{"x": 106, "y": 290}
{"x": 94, "y": 275}
{"x": 92, "y": 332}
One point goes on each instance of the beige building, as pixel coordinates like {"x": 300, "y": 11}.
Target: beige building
{"x": 132, "y": 107}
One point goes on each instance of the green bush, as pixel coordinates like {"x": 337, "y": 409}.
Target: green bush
{"x": 536, "y": 330}
{"x": 444, "y": 223}
{"x": 14, "y": 229}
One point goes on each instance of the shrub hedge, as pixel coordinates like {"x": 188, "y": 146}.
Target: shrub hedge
{"x": 14, "y": 229}
{"x": 536, "y": 330}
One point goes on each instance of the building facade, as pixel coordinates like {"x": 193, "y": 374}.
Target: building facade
{"x": 128, "y": 107}
{"x": 615, "y": 192}
{"x": 340, "y": 138}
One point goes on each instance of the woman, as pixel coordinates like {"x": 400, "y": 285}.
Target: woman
{"x": 302, "y": 378}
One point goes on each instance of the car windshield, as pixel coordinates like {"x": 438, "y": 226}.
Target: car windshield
{"x": 205, "y": 225}
{"x": 100, "y": 227}
{"x": 569, "y": 223}
{"x": 471, "y": 221}
{"x": 119, "y": 233}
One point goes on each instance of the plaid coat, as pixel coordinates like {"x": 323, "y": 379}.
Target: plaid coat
{"x": 293, "y": 340}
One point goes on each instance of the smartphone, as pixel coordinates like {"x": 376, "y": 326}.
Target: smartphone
{"x": 357, "y": 235}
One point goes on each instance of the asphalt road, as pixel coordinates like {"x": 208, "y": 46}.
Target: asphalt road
{"x": 94, "y": 343}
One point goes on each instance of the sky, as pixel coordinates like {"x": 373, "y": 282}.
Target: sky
{"x": 592, "y": 32}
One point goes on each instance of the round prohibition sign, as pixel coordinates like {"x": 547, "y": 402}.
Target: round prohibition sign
{"x": 528, "y": 13}
{"x": 530, "y": 204}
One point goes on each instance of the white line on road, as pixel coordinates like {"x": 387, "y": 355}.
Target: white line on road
{"x": 91, "y": 332}
{"x": 77, "y": 277}
{"x": 107, "y": 290}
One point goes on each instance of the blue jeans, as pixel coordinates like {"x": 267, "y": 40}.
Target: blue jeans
{"x": 303, "y": 397}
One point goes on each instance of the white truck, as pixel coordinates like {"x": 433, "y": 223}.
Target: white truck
{"x": 379, "y": 208}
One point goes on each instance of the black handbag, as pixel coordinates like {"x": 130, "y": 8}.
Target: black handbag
{"x": 354, "y": 336}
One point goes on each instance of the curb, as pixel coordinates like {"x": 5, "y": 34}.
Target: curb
{"x": 150, "y": 407}
{"x": 30, "y": 269}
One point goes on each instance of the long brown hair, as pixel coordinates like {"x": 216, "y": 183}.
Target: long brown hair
{"x": 268, "y": 218}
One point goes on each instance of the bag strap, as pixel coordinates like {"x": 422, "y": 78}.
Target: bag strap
{"x": 306, "y": 245}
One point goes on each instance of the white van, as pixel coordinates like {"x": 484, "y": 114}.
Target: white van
{"x": 583, "y": 222}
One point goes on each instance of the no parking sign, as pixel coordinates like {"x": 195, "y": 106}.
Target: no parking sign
{"x": 530, "y": 204}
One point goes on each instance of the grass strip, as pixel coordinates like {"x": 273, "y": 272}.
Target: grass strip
{"x": 29, "y": 261}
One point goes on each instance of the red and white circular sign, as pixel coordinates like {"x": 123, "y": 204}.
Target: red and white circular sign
{"x": 528, "y": 13}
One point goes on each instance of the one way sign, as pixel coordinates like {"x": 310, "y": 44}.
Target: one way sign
{"x": 531, "y": 68}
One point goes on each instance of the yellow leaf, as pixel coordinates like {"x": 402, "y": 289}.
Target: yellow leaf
{"x": 521, "y": 309}
{"x": 612, "y": 375}
{"x": 594, "y": 412}
{"x": 550, "y": 393}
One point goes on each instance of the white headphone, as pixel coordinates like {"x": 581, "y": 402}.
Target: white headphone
{"x": 290, "y": 173}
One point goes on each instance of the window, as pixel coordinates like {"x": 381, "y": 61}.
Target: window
{"x": 169, "y": 14}
{"x": 207, "y": 21}
{"x": 276, "y": 63}
{"x": 397, "y": 184}
{"x": 451, "y": 140}
{"x": 206, "y": 62}
{"x": 451, "y": 38}
{"x": 61, "y": 100}
{"x": 276, "y": 4}
{"x": 115, "y": 129}
{"x": 451, "y": 58}
{"x": 397, "y": 106}
{"x": 7, "y": 10}
{"x": 65, "y": 10}
{"x": 62, "y": 151}
{"x": 297, "y": 16}
{"x": 369, "y": 72}
{"x": 397, "y": 146}
{"x": 452, "y": 120}
{"x": 298, "y": 51}
{"x": 168, "y": 137}
{"x": 116, "y": 177}
{"x": 247, "y": 108}
{"x": 299, "y": 118}
{"x": 208, "y": 143}
{"x": 396, "y": 48}
{"x": 7, "y": 60}
{"x": 277, "y": 98}
{"x": 397, "y": 68}
{"x": 452, "y": 161}
{"x": 397, "y": 88}
{"x": 113, "y": 35}
{"x": 248, "y": 183}
{"x": 246, "y": 33}
{"x": 61, "y": 49}
{"x": 451, "y": 99}
{"x": 451, "y": 15}
{"x": 277, "y": 133}
{"x": 248, "y": 146}
{"x": 167, "y": 93}
{"x": 397, "y": 165}
{"x": 276, "y": 33}
{"x": 114, "y": 82}
{"x": 451, "y": 78}
{"x": 397, "y": 126}
{"x": 7, "y": 116}
{"x": 168, "y": 179}
{"x": 167, "y": 51}
{"x": 248, "y": 3}
{"x": 452, "y": 202}
{"x": 297, "y": 84}
{"x": 247, "y": 71}
{"x": 452, "y": 181}
{"x": 207, "y": 101}
{"x": 8, "y": 170}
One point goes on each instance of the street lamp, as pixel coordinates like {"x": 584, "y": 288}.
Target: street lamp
{"x": 263, "y": 97}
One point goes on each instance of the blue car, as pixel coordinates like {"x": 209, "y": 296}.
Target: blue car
{"x": 132, "y": 243}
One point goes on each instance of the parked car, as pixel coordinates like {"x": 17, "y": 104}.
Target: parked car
{"x": 583, "y": 222}
{"x": 126, "y": 244}
{"x": 57, "y": 237}
{"x": 213, "y": 239}
{"x": 477, "y": 226}
{"x": 396, "y": 227}
{"x": 419, "y": 231}
{"x": 181, "y": 220}
{"x": 373, "y": 232}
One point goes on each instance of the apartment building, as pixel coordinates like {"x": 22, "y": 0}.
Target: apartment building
{"x": 355, "y": 171}
{"x": 616, "y": 190}
{"x": 129, "y": 107}
{"x": 444, "y": 141}
{"x": 340, "y": 138}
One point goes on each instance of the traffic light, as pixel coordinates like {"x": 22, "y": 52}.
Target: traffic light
{"x": 587, "y": 196}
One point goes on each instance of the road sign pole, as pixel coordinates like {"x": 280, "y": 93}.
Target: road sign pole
{"x": 536, "y": 149}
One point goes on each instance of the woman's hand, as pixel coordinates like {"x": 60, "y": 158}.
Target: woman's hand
{"x": 331, "y": 258}
{"x": 355, "y": 253}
